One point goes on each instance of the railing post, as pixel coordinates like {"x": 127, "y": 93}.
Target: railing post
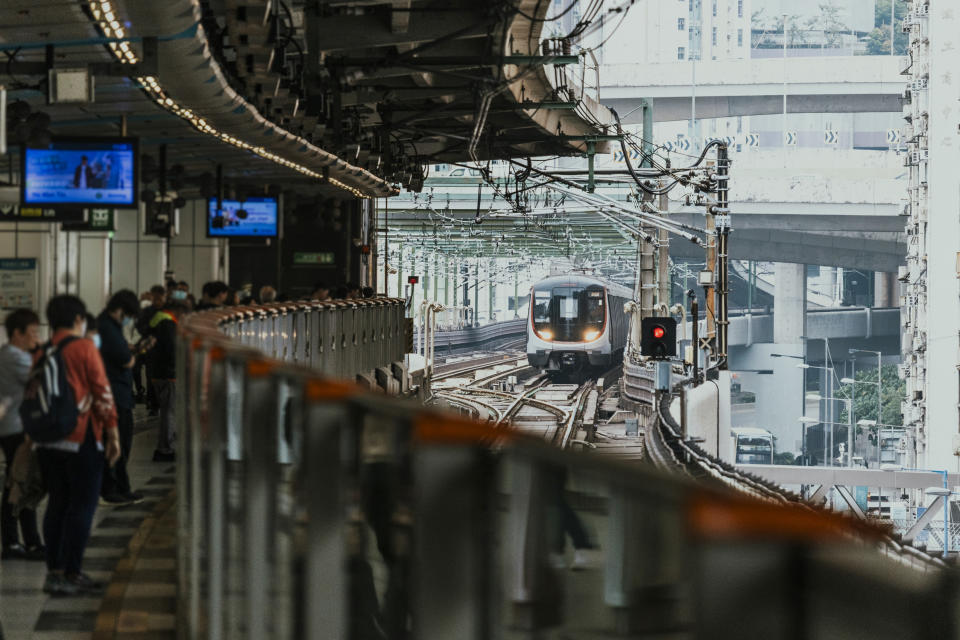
{"x": 260, "y": 449}
{"x": 452, "y": 500}
{"x": 324, "y": 600}
{"x": 535, "y": 603}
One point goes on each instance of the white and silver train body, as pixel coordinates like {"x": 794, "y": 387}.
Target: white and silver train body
{"x": 576, "y": 321}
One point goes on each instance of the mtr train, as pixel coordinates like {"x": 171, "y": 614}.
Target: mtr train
{"x": 576, "y": 322}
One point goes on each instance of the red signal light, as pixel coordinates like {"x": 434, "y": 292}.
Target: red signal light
{"x": 658, "y": 332}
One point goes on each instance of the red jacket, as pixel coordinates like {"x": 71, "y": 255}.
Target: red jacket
{"x": 88, "y": 379}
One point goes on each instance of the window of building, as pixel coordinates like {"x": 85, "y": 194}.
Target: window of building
{"x": 681, "y": 24}
{"x": 714, "y": 7}
{"x": 713, "y": 36}
{"x": 681, "y": 53}
{"x": 739, "y": 37}
{"x": 739, "y": 8}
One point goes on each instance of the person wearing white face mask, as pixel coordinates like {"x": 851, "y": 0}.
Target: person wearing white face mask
{"x": 118, "y": 360}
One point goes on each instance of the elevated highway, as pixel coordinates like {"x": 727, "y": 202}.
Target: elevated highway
{"x": 756, "y": 87}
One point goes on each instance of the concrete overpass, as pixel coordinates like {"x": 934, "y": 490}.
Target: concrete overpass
{"x": 755, "y": 87}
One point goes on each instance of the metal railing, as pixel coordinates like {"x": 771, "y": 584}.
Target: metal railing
{"x": 340, "y": 338}
{"x": 311, "y": 509}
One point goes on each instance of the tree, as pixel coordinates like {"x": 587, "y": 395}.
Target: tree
{"x": 829, "y": 22}
{"x": 784, "y": 457}
{"x": 774, "y": 25}
{"x": 878, "y": 40}
{"x": 865, "y": 396}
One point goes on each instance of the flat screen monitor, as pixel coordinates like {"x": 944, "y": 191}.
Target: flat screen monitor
{"x": 84, "y": 172}
{"x": 250, "y": 218}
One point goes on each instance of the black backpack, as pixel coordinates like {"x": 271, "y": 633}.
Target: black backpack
{"x": 49, "y": 409}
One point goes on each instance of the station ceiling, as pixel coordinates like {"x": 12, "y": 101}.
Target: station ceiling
{"x": 335, "y": 98}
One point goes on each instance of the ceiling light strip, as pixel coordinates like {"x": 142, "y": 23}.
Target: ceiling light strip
{"x": 103, "y": 12}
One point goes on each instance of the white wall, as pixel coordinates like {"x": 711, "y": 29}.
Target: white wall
{"x": 137, "y": 260}
{"x": 92, "y": 265}
{"x": 193, "y": 256}
{"x": 708, "y": 415}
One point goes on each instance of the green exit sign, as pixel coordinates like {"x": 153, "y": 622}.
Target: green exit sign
{"x": 100, "y": 220}
{"x": 321, "y": 257}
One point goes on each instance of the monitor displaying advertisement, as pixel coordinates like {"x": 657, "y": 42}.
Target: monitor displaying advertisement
{"x": 250, "y": 218}
{"x": 98, "y": 172}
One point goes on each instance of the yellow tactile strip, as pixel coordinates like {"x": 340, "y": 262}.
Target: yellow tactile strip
{"x": 140, "y": 600}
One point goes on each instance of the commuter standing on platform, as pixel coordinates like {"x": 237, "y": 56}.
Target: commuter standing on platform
{"x": 321, "y": 292}
{"x": 157, "y": 297}
{"x": 267, "y": 294}
{"x": 214, "y": 294}
{"x": 23, "y": 326}
{"x": 118, "y": 360}
{"x": 163, "y": 375}
{"x": 72, "y": 466}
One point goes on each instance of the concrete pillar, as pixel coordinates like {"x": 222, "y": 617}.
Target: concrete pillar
{"x": 790, "y": 302}
{"x": 832, "y": 280}
{"x": 138, "y": 260}
{"x": 884, "y": 291}
{"x": 93, "y": 273}
{"x": 193, "y": 256}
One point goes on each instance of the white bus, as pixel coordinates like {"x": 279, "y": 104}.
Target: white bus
{"x": 751, "y": 445}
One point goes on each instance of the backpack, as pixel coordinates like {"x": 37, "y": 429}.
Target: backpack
{"x": 49, "y": 409}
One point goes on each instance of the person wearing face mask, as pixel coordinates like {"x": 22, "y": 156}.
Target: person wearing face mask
{"x": 90, "y": 331}
{"x": 163, "y": 374}
{"x": 156, "y": 298}
{"x": 118, "y": 360}
{"x": 72, "y": 467}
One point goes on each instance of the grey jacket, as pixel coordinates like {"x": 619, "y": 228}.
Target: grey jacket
{"x": 15, "y": 366}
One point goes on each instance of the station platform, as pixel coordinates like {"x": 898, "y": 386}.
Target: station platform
{"x": 132, "y": 549}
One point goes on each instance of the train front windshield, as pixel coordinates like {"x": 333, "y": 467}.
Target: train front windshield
{"x": 569, "y": 313}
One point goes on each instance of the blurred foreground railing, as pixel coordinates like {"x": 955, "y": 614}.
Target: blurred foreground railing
{"x": 311, "y": 509}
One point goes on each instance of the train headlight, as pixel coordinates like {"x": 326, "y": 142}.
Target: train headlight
{"x": 546, "y": 334}
{"x": 590, "y": 335}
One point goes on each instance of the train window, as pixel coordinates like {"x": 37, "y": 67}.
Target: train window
{"x": 541, "y": 306}
{"x": 569, "y": 303}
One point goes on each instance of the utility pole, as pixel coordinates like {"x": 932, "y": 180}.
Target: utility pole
{"x": 446, "y": 281}
{"x": 663, "y": 268}
{"x": 476, "y": 292}
{"x": 784, "y": 90}
{"x": 516, "y": 292}
{"x": 709, "y": 292}
{"x": 491, "y": 291}
{"x": 893, "y": 14}
{"x": 399, "y": 270}
{"x": 722, "y": 220}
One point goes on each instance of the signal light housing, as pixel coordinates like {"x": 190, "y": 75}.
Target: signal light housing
{"x": 658, "y": 338}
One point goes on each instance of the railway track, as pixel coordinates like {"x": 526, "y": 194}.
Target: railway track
{"x": 519, "y": 396}
{"x": 666, "y": 449}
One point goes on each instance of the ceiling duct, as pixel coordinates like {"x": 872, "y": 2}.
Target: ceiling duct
{"x": 189, "y": 75}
